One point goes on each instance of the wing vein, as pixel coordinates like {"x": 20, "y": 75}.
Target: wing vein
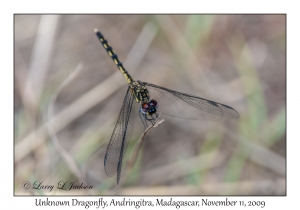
{"x": 183, "y": 105}
{"x": 119, "y": 138}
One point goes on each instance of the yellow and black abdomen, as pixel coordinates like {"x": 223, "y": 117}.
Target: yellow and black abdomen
{"x": 114, "y": 57}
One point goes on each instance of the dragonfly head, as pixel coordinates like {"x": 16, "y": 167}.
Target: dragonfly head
{"x": 149, "y": 107}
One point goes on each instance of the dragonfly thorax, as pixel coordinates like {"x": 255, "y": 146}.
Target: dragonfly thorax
{"x": 140, "y": 92}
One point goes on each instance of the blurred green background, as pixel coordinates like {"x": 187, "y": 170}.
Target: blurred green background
{"x": 237, "y": 60}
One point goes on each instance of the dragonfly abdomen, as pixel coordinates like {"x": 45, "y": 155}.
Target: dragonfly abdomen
{"x": 114, "y": 57}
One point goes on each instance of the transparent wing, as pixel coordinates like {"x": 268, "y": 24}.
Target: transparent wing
{"x": 120, "y": 138}
{"x": 183, "y": 105}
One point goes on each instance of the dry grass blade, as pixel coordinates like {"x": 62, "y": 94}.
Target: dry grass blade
{"x": 178, "y": 169}
{"x": 39, "y": 65}
{"x": 260, "y": 155}
{"x": 64, "y": 154}
{"x": 180, "y": 44}
{"x": 135, "y": 153}
{"x": 131, "y": 162}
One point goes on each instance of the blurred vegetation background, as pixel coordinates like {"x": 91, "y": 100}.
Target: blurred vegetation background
{"x": 237, "y": 60}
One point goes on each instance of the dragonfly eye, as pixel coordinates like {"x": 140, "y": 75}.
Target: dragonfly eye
{"x": 153, "y": 103}
{"x": 145, "y": 107}
{"x": 152, "y": 110}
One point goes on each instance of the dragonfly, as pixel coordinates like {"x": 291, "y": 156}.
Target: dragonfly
{"x": 154, "y": 100}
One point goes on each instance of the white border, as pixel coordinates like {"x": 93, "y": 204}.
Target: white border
{"x": 6, "y": 111}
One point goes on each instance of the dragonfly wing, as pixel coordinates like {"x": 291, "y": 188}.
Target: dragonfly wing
{"x": 120, "y": 138}
{"x": 183, "y": 105}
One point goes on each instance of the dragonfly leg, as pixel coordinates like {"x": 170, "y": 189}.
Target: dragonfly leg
{"x": 145, "y": 118}
{"x": 157, "y": 117}
{"x": 153, "y": 118}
